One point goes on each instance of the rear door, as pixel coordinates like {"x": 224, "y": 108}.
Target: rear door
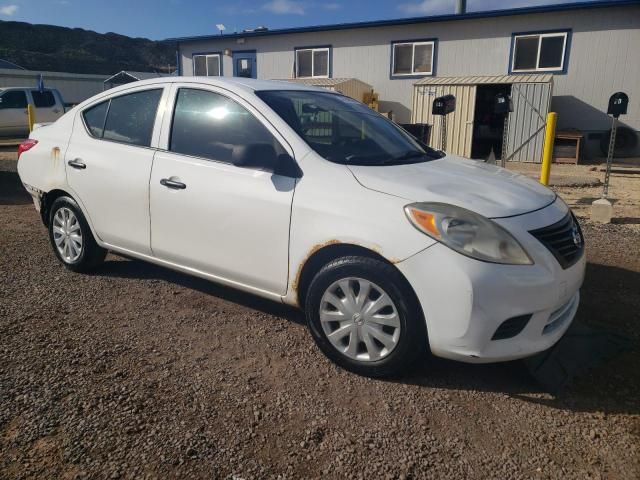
{"x": 13, "y": 113}
{"x": 109, "y": 162}
{"x": 208, "y": 214}
{"x": 47, "y": 108}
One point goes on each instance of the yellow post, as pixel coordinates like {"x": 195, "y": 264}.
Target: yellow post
{"x": 547, "y": 151}
{"x": 31, "y": 115}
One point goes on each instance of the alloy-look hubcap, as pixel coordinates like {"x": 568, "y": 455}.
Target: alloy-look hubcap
{"x": 67, "y": 234}
{"x": 359, "y": 319}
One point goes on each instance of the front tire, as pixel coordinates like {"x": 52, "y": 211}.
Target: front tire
{"x": 71, "y": 237}
{"x": 364, "y": 316}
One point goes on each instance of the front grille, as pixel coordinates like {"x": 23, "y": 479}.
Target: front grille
{"x": 563, "y": 239}
{"x": 511, "y": 327}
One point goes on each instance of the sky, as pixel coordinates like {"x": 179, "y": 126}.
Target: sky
{"x": 160, "y": 19}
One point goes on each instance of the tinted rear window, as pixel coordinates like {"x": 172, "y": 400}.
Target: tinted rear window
{"x": 129, "y": 118}
{"x": 43, "y": 99}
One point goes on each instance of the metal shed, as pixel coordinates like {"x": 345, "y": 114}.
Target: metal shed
{"x": 521, "y": 136}
{"x": 351, "y": 87}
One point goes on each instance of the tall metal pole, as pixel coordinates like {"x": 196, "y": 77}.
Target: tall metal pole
{"x": 612, "y": 147}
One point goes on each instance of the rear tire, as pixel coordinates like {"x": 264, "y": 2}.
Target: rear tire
{"x": 71, "y": 238}
{"x": 375, "y": 328}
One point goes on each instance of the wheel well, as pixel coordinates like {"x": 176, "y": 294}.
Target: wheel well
{"x": 321, "y": 257}
{"x": 47, "y": 200}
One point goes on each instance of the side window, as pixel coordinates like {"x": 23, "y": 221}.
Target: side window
{"x": 209, "y": 125}
{"x": 130, "y": 118}
{"x": 13, "y": 99}
{"x": 43, "y": 99}
{"x": 94, "y": 118}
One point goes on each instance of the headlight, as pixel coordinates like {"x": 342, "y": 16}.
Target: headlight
{"x": 467, "y": 232}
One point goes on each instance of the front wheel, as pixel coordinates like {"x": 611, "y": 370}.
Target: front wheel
{"x": 364, "y": 316}
{"x": 71, "y": 237}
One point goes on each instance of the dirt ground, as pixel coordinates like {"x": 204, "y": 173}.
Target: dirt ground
{"x": 139, "y": 372}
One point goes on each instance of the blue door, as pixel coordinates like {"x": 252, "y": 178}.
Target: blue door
{"x": 244, "y": 64}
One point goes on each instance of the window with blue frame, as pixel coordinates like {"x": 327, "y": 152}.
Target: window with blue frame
{"x": 412, "y": 58}
{"x": 312, "y": 62}
{"x": 207, "y": 65}
{"x": 539, "y": 52}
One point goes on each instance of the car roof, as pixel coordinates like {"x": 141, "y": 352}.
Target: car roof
{"x": 230, "y": 83}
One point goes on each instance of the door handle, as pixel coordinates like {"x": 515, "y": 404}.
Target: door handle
{"x": 55, "y": 110}
{"x": 175, "y": 185}
{"x": 77, "y": 163}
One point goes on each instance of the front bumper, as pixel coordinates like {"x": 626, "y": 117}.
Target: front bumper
{"x": 465, "y": 300}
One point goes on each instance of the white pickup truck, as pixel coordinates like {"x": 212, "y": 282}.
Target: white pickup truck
{"x": 48, "y": 106}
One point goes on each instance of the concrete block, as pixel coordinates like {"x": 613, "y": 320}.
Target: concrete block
{"x": 601, "y": 211}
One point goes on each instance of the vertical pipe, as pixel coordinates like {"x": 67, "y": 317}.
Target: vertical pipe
{"x": 547, "y": 155}
{"x": 31, "y": 116}
{"x": 461, "y": 7}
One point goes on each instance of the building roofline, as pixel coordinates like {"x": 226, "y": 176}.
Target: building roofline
{"x": 413, "y": 20}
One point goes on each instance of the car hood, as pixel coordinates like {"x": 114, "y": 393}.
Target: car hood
{"x": 483, "y": 188}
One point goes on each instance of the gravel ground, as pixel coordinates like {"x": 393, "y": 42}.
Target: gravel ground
{"x": 140, "y": 372}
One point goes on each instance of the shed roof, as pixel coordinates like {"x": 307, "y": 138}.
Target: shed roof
{"x": 413, "y": 20}
{"x": 486, "y": 79}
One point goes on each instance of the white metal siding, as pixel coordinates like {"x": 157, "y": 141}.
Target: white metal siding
{"x": 603, "y": 58}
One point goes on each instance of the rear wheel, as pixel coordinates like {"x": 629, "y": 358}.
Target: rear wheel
{"x": 364, "y": 316}
{"x": 71, "y": 237}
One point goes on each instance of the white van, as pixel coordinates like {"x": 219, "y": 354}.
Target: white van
{"x": 48, "y": 106}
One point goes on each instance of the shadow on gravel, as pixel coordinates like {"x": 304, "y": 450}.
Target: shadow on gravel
{"x": 593, "y": 368}
{"x": 11, "y": 190}
{"x": 132, "y": 268}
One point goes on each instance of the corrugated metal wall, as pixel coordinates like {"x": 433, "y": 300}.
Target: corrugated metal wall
{"x": 525, "y": 137}
{"x": 459, "y": 123}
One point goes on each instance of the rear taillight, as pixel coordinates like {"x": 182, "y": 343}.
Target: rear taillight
{"x": 27, "y": 145}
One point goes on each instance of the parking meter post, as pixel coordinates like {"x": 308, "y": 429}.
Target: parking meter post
{"x": 612, "y": 147}
{"x": 505, "y": 142}
{"x": 547, "y": 154}
{"x": 31, "y": 116}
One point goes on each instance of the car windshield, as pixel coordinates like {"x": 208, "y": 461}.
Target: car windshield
{"x": 343, "y": 130}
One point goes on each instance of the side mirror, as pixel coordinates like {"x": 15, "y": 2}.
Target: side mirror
{"x": 261, "y": 156}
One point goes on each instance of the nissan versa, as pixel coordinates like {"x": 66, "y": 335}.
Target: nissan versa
{"x": 310, "y": 198}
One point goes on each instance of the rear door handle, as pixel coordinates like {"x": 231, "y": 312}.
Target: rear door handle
{"x": 77, "y": 163}
{"x": 174, "y": 184}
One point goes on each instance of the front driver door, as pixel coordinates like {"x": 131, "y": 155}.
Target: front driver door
{"x": 209, "y": 215}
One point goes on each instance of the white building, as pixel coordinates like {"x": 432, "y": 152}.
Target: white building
{"x": 580, "y": 53}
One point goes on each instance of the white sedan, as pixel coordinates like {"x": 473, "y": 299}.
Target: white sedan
{"x": 307, "y": 197}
